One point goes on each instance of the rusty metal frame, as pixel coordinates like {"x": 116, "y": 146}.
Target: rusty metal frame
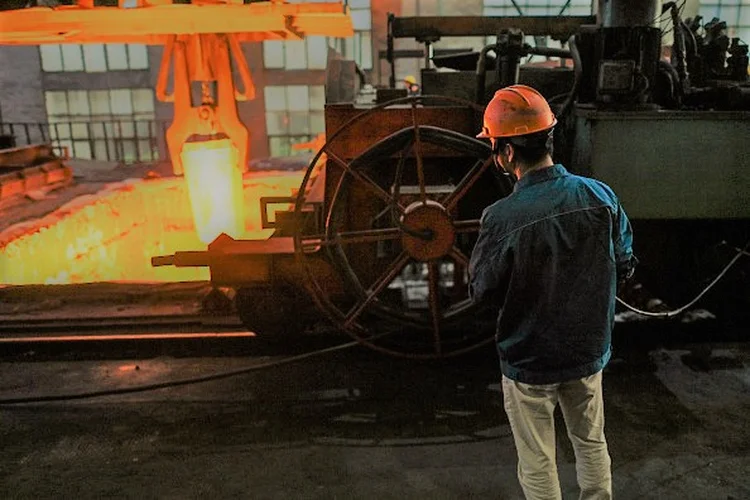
{"x": 431, "y": 27}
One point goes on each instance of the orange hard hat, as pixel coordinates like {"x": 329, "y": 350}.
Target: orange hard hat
{"x": 516, "y": 110}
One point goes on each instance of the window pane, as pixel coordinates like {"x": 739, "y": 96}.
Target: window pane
{"x": 730, "y": 15}
{"x": 277, "y": 123}
{"x": 127, "y": 129}
{"x": 79, "y": 131}
{"x": 317, "y": 96}
{"x": 100, "y": 150}
{"x": 78, "y": 103}
{"x": 99, "y": 100}
{"x": 317, "y": 52}
{"x": 296, "y": 53}
{"x": 299, "y": 122}
{"x": 273, "y": 54}
{"x": 143, "y": 100}
{"x": 81, "y": 150}
{"x": 63, "y": 130}
{"x": 117, "y": 57}
{"x": 97, "y": 130}
{"x": 362, "y": 19}
{"x": 145, "y": 152}
{"x": 72, "y": 57}
{"x": 365, "y": 51}
{"x": 109, "y": 129}
{"x": 275, "y": 97}
{"x": 349, "y": 48}
{"x": 51, "y": 57}
{"x": 317, "y": 122}
{"x": 143, "y": 129}
{"x": 129, "y": 151}
{"x": 120, "y": 102}
{"x": 93, "y": 55}
{"x": 279, "y": 146}
{"x": 137, "y": 56}
{"x": 56, "y": 102}
{"x": 298, "y": 98}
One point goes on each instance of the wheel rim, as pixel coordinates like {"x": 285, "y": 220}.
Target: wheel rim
{"x": 438, "y": 259}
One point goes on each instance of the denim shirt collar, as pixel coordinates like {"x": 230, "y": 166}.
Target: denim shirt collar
{"x": 540, "y": 175}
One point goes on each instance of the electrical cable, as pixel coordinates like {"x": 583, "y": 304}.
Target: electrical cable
{"x": 677, "y": 312}
{"x": 189, "y": 381}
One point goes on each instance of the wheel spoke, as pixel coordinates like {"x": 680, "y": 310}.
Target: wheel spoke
{"x": 466, "y": 183}
{"x": 418, "y": 153}
{"x": 352, "y": 237}
{"x": 384, "y": 280}
{"x": 466, "y": 226}
{"x": 460, "y": 258}
{"x": 434, "y": 277}
{"x": 380, "y": 192}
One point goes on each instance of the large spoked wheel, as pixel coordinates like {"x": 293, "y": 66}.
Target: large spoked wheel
{"x": 400, "y": 225}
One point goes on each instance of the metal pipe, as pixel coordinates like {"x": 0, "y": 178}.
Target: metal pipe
{"x": 678, "y": 49}
{"x": 482, "y": 72}
{"x": 549, "y": 52}
{"x": 577, "y": 72}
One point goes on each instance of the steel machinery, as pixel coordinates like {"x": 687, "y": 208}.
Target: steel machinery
{"x": 201, "y": 55}
{"x": 376, "y": 239}
{"x": 379, "y": 233}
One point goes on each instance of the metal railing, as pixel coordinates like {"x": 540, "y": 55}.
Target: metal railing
{"x": 126, "y": 141}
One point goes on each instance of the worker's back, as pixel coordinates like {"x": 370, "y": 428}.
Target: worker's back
{"x": 555, "y": 238}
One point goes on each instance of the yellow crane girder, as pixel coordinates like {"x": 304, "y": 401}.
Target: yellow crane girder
{"x": 154, "y": 21}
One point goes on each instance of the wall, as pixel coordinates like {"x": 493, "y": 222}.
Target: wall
{"x": 21, "y": 85}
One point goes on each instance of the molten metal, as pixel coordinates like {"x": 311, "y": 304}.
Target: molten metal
{"x": 214, "y": 183}
{"x": 113, "y": 235}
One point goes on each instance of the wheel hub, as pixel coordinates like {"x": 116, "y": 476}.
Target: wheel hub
{"x": 427, "y": 231}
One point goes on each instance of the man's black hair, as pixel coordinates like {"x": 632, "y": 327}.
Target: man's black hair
{"x": 530, "y": 148}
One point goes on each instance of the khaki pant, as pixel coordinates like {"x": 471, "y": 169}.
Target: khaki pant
{"x": 530, "y": 411}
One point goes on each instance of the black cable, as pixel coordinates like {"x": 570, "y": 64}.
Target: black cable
{"x": 177, "y": 383}
{"x": 678, "y": 311}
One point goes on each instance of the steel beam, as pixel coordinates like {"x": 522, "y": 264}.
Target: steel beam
{"x": 560, "y": 27}
{"x": 153, "y": 24}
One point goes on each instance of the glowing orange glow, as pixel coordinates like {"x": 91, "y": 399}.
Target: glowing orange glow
{"x": 214, "y": 184}
{"x": 113, "y": 235}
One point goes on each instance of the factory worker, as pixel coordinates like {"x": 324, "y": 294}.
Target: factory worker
{"x": 549, "y": 256}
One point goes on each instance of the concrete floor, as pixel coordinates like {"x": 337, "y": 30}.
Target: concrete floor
{"x": 359, "y": 425}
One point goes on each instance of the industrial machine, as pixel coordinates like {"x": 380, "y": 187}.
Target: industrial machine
{"x": 378, "y": 235}
{"x": 376, "y": 239}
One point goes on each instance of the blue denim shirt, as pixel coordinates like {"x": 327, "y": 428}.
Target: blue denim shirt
{"x": 549, "y": 256}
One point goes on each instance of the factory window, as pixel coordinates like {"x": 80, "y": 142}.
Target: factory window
{"x": 359, "y": 47}
{"x": 93, "y": 58}
{"x": 312, "y": 52}
{"x": 736, "y": 13}
{"x": 115, "y": 124}
{"x": 294, "y": 114}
